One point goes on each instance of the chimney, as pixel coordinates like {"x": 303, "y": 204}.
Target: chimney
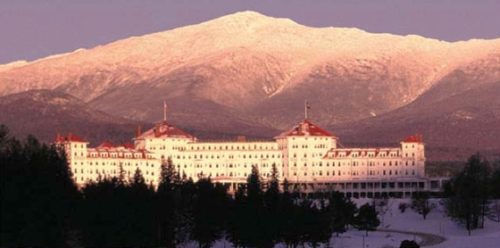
{"x": 138, "y": 132}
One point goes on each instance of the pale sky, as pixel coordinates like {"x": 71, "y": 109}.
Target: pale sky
{"x": 31, "y": 29}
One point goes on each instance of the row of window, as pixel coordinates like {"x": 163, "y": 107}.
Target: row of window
{"x": 231, "y": 147}
{"x": 305, "y": 146}
{"x": 117, "y": 155}
{"x": 356, "y": 173}
{"x": 358, "y": 155}
{"x": 225, "y": 166}
{"x": 121, "y": 163}
{"x": 107, "y": 172}
{"x": 88, "y": 179}
{"x": 244, "y": 156}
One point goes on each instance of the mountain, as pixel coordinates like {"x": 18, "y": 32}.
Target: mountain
{"x": 45, "y": 113}
{"x": 452, "y": 129}
{"x": 457, "y": 117}
{"x": 249, "y": 73}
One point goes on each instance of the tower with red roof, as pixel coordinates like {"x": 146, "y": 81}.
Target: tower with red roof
{"x": 303, "y": 147}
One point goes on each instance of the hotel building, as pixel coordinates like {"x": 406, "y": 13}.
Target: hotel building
{"x": 307, "y": 156}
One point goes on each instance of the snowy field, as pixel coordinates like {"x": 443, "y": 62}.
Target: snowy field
{"x": 438, "y": 224}
{"x": 409, "y": 225}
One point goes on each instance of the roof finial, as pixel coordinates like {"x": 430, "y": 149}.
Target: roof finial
{"x": 306, "y": 108}
{"x": 164, "y": 110}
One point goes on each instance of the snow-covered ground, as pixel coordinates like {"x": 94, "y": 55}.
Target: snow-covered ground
{"x": 436, "y": 224}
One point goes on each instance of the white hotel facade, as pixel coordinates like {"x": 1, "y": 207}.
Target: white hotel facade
{"x": 307, "y": 156}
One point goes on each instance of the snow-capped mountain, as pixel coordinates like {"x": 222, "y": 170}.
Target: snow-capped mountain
{"x": 256, "y": 71}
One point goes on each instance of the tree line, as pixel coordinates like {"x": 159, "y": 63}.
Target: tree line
{"x": 42, "y": 207}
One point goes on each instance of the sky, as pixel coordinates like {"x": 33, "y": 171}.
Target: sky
{"x": 31, "y": 29}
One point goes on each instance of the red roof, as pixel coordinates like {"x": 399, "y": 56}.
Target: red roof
{"x": 417, "y": 138}
{"x": 70, "y": 137}
{"x": 129, "y": 146}
{"x": 164, "y": 129}
{"x": 306, "y": 128}
{"x": 106, "y": 144}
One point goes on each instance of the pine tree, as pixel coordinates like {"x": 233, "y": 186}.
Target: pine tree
{"x": 37, "y": 194}
{"x": 208, "y": 212}
{"x": 271, "y": 211}
{"x": 121, "y": 175}
{"x": 254, "y": 187}
{"x": 169, "y": 177}
{"x": 138, "y": 179}
{"x": 317, "y": 229}
{"x": 495, "y": 193}
{"x": 168, "y": 206}
{"x": 467, "y": 200}
{"x": 341, "y": 211}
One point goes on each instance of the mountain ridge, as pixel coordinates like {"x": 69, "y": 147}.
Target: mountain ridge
{"x": 250, "y": 72}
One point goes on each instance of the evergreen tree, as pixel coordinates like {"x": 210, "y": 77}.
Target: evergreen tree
{"x": 367, "y": 218}
{"x": 121, "y": 175}
{"x": 142, "y": 222}
{"x": 184, "y": 199}
{"x": 37, "y": 194}
{"x": 115, "y": 214}
{"x": 169, "y": 177}
{"x": 467, "y": 193}
{"x": 209, "y": 215}
{"x": 317, "y": 226}
{"x": 273, "y": 182}
{"x": 168, "y": 209}
{"x": 237, "y": 227}
{"x": 291, "y": 213}
{"x": 495, "y": 193}
{"x": 250, "y": 216}
{"x": 495, "y": 182}
{"x": 341, "y": 211}
{"x": 254, "y": 187}
{"x": 138, "y": 179}
{"x": 272, "y": 202}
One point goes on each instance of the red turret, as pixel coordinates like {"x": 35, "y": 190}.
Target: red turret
{"x": 69, "y": 138}
{"x": 306, "y": 128}
{"x": 417, "y": 138}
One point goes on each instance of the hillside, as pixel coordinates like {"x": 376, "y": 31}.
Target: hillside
{"x": 45, "y": 113}
{"x": 454, "y": 127}
{"x": 247, "y": 73}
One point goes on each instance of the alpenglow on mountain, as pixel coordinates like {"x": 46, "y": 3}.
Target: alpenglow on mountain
{"x": 248, "y": 73}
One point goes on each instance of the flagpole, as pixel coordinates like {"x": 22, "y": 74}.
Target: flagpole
{"x": 305, "y": 109}
{"x": 164, "y": 110}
